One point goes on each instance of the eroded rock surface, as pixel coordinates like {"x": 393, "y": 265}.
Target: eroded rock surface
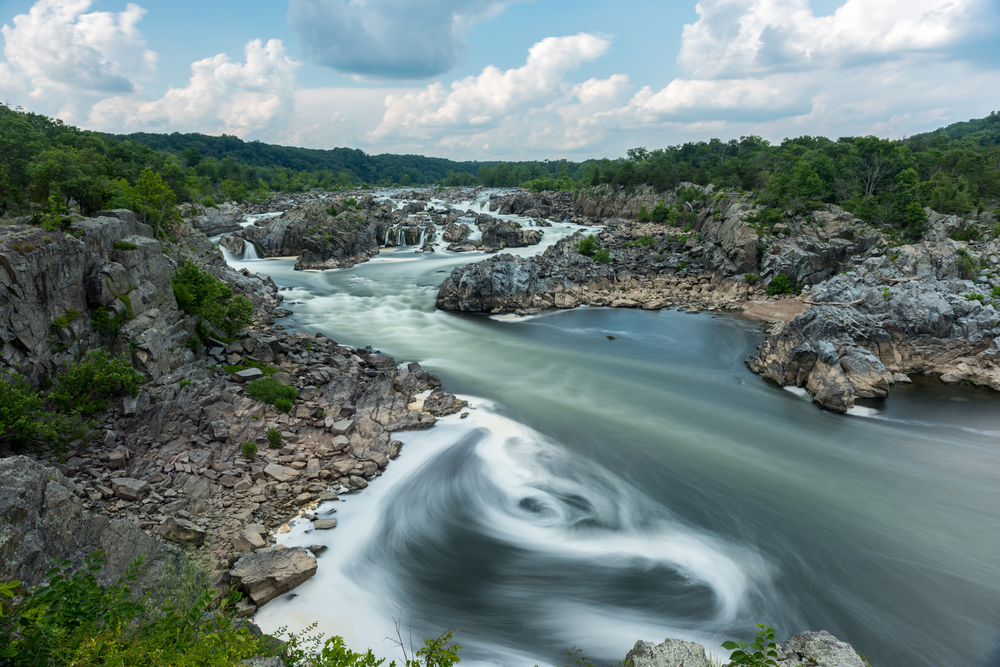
{"x": 268, "y": 573}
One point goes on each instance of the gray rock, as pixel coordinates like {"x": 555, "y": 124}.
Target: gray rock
{"x": 280, "y": 473}
{"x": 440, "y": 404}
{"x": 42, "y": 518}
{"x": 268, "y": 573}
{"x": 818, "y": 649}
{"x": 248, "y": 540}
{"x": 671, "y": 653}
{"x": 247, "y": 374}
{"x": 261, "y": 661}
{"x": 325, "y": 524}
{"x": 183, "y": 532}
{"x": 130, "y": 489}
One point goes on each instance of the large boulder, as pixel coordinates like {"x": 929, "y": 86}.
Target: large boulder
{"x": 818, "y": 649}
{"x": 268, "y": 573}
{"x": 671, "y": 653}
{"x": 41, "y": 519}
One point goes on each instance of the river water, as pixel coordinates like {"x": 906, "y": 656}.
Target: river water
{"x": 603, "y": 491}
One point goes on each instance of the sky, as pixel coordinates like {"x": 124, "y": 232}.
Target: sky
{"x": 503, "y": 79}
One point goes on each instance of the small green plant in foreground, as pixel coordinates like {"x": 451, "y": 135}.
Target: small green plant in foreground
{"x": 248, "y": 450}
{"x": 603, "y": 256}
{"x": 751, "y": 278}
{"x": 763, "y": 652}
{"x": 782, "y": 284}
{"x": 588, "y": 246}
{"x": 274, "y": 438}
{"x": 283, "y": 405}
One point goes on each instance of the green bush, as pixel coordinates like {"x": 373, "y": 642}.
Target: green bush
{"x": 194, "y": 344}
{"x": 208, "y": 202}
{"x": 283, "y": 405}
{"x": 588, "y": 246}
{"x": 660, "y": 212}
{"x": 207, "y": 297}
{"x": 274, "y": 438}
{"x": 21, "y": 411}
{"x": 125, "y": 245}
{"x": 603, "y": 256}
{"x": 782, "y": 284}
{"x": 751, "y": 278}
{"x": 68, "y": 318}
{"x": 248, "y": 450}
{"x": 643, "y": 214}
{"x": 87, "y": 385}
{"x": 269, "y": 390}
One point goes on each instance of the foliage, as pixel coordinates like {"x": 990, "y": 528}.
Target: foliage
{"x": 283, "y": 404}
{"x": 67, "y": 318}
{"x": 782, "y": 284}
{"x": 125, "y": 245}
{"x": 210, "y": 299}
{"x": 588, "y": 246}
{"x": 643, "y": 214}
{"x": 248, "y": 450}
{"x": 603, "y": 256}
{"x": 751, "y": 278}
{"x": 661, "y": 213}
{"x": 968, "y": 265}
{"x": 21, "y": 411}
{"x": 270, "y": 390}
{"x": 75, "y": 621}
{"x": 105, "y": 324}
{"x": 762, "y": 652}
{"x": 88, "y": 384}
{"x": 274, "y": 438}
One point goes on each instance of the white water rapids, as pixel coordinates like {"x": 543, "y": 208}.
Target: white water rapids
{"x": 603, "y": 491}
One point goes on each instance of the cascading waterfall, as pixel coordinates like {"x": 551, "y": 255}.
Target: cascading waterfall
{"x": 400, "y": 237}
{"x": 250, "y": 251}
{"x": 387, "y": 230}
{"x": 423, "y": 237}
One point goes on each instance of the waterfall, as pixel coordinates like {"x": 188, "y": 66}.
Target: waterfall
{"x": 400, "y": 237}
{"x": 387, "y": 229}
{"x": 250, "y": 250}
{"x": 423, "y": 237}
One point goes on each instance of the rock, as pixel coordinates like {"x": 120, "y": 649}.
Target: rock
{"x": 325, "y": 524}
{"x": 248, "y": 540}
{"x": 130, "y": 489}
{"x": 280, "y": 473}
{"x": 268, "y": 573}
{"x": 247, "y": 375}
{"x": 818, "y": 649}
{"x": 440, "y": 404}
{"x": 358, "y": 482}
{"x": 671, "y": 653}
{"x": 42, "y": 518}
{"x": 219, "y": 430}
{"x": 261, "y": 661}
{"x": 182, "y": 531}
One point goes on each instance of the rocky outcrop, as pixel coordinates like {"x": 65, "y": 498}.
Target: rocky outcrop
{"x": 50, "y": 281}
{"x": 211, "y": 221}
{"x": 268, "y": 573}
{"x": 41, "y": 518}
{"x": 455, "y": 232}
{"x": 809, "y": 649}
{"x": 895, "y": 316}
{"x": 557, "y": 205}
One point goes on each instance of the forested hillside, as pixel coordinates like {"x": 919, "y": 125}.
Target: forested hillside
{"x": 49, "y": 167}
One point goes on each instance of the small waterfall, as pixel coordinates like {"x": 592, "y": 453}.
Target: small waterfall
{"x": 423, "y": 237}
{"x": 400, "y": 237}
{"x": 250, "y": 251}
{"x": 387, "y": 229}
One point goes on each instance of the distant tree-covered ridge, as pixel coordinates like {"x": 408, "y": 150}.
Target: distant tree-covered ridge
{"x": 48, "y": 167}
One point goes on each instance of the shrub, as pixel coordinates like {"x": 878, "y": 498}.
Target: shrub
{"x": 643, "y": 214}
{"x": 976, "y": 296}
{"x": 660, "y": 212}
{"x": 20, "y": 410}
{"x": 207, "y": 297}
{"x": 274, "y": 438}
{"x": 105, "y": 324}
{"x": 283, "y": 405}
{"x": 751, "y": 278}
{"x": 781, "y": 284}
{"x": 320, "y": 414}
{"x": 588, "y": 246}
{"x": 269, "y": 390}
{"x": 208, "y": 202}
{"x": 68, "y": 318}
{"x": 125, "y": 245}
{"x": 248, "y": 450}
{"x": 87, "y": 385}
{"x": 603, "y": 256}
{"x": 183, "y": 383}
{"x": 194, "y": 344}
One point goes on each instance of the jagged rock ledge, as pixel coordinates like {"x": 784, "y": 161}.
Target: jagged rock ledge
{"x": 808, "y": 649}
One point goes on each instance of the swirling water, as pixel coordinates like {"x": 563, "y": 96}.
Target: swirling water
{"x": 603, "y": 491}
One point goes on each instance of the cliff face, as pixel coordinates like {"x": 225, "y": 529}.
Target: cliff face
{"x": 49, "y": 281}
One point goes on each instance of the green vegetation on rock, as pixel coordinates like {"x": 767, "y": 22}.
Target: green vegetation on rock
{"x": 205, "y": 296}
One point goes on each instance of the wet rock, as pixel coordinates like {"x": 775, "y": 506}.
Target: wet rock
{"x": 268, "y": 573}
{"x": 671, "y": 653}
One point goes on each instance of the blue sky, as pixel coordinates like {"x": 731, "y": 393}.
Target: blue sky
{"x": 492, "y": 79}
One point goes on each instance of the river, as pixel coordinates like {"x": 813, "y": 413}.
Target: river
{"x": 621, "y": 475}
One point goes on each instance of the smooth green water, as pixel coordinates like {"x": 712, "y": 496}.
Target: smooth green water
{"x": 604, "y": 491}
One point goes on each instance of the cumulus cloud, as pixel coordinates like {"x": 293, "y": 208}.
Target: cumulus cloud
{"x": 57, "y": 46}
{"x": 753, "y": 37}
{"x": 388, "y": 39}
{"x": 221, "y": 96}
{"x": 534, "y": 102}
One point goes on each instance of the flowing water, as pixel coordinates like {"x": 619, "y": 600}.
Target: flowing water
{"x": 603, "y": 491}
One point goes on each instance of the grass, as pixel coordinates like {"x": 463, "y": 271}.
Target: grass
{"x": 269, "y": 390}
{"x": 125, "y": 245}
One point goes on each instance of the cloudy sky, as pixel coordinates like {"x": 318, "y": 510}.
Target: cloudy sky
{"x": 492, "y": 79}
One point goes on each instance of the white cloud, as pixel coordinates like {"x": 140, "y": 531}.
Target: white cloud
{"x": 533, "y": 106}
{"x": 255, "y": 97}
{"x": 746, "y": 37}
{"x": 58, "y": 47}
{"x": 388, "y": 39}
